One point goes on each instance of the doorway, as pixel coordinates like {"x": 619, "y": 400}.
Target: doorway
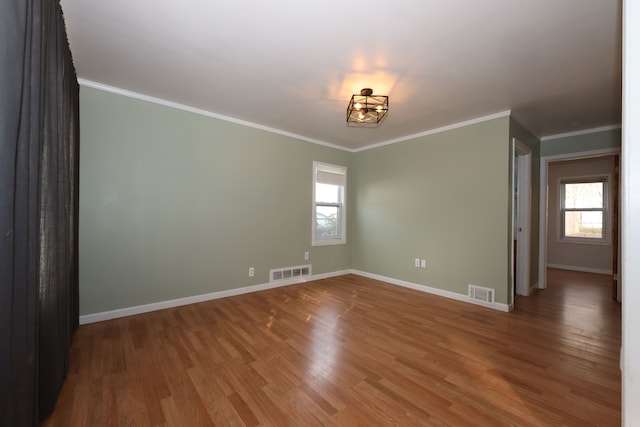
{"x": 545, "y": 220}
{"x": 521, "y": 218}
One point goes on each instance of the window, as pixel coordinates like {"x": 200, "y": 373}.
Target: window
{"x": 583, "y": 210}
{"x": 329, "y": 219}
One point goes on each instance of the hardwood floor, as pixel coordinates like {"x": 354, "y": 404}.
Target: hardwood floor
{"x": 351, "y": 351}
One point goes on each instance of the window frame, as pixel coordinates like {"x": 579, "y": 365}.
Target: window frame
{"x": 606, "y": 211}
{"x": 341, "y": 205}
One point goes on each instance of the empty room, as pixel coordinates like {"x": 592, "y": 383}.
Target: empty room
{"x": 245, "y": 213}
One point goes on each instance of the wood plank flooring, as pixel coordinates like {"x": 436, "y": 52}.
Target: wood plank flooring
{"x": 351, "y": 351}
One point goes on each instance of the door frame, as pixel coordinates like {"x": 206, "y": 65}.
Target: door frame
{"x": 544, "y": 196}
{"x": 521, "y": 230}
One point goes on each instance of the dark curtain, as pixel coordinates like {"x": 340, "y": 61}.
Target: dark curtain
{"x": 38, "y": 208}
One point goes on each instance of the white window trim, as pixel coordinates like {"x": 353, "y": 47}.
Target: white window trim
{"x": 606, "y": 226}
{"x": 326, "y": 167}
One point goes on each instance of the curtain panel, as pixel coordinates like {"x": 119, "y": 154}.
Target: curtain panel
{"x": 39, "y": 131}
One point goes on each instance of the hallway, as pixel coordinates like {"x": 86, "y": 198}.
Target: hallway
{"x": 576, "y": 300}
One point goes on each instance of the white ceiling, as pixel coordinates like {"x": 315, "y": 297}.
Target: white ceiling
{"x": 292, "y": 65}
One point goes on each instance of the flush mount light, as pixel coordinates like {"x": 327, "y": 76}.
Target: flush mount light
{"x": 366, "y": 109}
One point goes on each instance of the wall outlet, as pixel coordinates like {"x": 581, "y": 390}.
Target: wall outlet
{"x": 306, "y": 256}
{"x": 417, "y": 263}
{"x": 423, "y": 263}
{"x": 252, "y": 272}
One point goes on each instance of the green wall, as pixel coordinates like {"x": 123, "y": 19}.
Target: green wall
{"x": 176, "y": 204}
{"x": 586, "y": 142}
{"x": 444, "y": 198}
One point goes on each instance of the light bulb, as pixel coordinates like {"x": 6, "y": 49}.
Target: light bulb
{"x": 361, "y": 116}
{"x": 358, "y": 106}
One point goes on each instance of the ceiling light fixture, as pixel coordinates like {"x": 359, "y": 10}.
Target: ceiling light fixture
{"x": 366, "y": 109}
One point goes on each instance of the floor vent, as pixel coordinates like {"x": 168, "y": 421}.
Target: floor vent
{"x": 480, "y": 294}
{"x": 288, "y": 273}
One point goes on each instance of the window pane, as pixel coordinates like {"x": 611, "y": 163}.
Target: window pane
{"x": 584, "y": 195}
{"x": 327, "y": 224}
{"x": 583, "y": 224}
{"x": 327, "y": 193}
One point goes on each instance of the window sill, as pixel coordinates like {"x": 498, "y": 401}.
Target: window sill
{"x": 329, "y": 242}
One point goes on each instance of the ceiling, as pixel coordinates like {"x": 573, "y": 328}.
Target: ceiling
{"x": 292, "y": 65}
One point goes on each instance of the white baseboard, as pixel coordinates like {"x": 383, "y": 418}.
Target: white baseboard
{"x": 582, "y": 269}
{"x": 146, "y": 308}
{"x": 434, "y": 291}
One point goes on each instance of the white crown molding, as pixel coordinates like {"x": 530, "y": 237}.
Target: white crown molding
{"x": 171, "y": 104}
{"x": 477, "y": 120}
{"x": 580, "y": 132}
{"x": 544, "y": 160}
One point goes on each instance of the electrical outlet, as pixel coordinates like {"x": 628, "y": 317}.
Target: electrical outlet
{"x": 417, "y": 262}
{"x": 252, "y": 272}
{"x": 306, "y": 256}
{"x": 423, "y": 263}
